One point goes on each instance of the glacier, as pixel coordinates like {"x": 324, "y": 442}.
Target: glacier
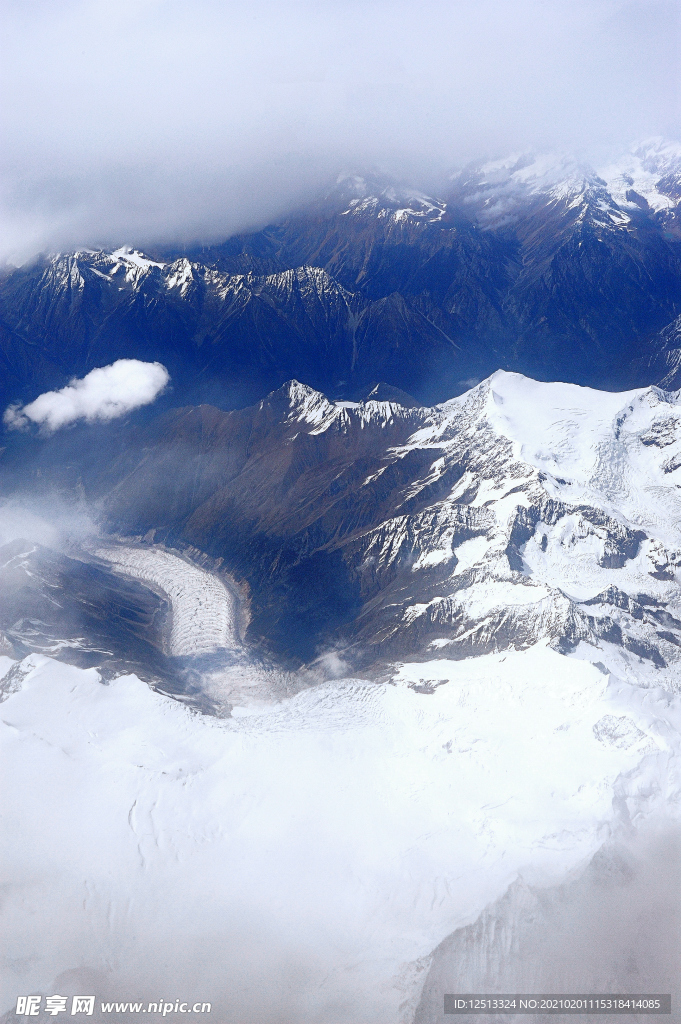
{"x": 203, "y": 608}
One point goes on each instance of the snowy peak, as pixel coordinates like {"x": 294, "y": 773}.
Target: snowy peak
{"x": 133, "y": 257}
{"x": 553, "y": 515}
{"x": 646, "y": 178}
{"x": 130, "y": 270}
{"x": 311, "y": 284}
{"x": 125, "y": 269}
{"x": 659, "y": 156}
{"x": 649, "y": 177}
{"x": 557, "y": 174}
{"x": 579, "y": 442}
{"x": 180, "y": 276}
{"x": 499, "y": 192}
{"x": 305, "y": 403}
{"x": 375, "y": 196}
{"x": 315, "y": 410}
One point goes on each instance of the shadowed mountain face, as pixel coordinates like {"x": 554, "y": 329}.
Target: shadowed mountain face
{"x": 77, "y": 610}
{"x": 661, "y": 360}
{"x": 82, "y": 609}
{"x": 544, "y": 268}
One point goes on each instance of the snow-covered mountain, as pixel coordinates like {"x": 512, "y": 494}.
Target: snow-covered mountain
{"x": 356, "y": 699}
{"x": 648, "y": 177}
{"x": 496, "y": 700}
{"x": 505, "y": 191}
{"x": 374, "y": 197}
{"x": 516, "y": 513}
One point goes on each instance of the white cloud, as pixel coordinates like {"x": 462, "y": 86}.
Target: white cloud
{"x": 103, "y": 394}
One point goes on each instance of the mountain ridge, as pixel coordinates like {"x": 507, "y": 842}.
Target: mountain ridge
{"x": 545, "y": 269}
{"x": 517, "y": 512}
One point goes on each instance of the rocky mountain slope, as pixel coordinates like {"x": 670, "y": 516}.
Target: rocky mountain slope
{"x": 517, "y": 513}
{"x": 71, "y": 607}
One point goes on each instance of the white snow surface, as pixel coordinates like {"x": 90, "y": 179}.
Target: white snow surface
{"x": 128, "y": 255}
{"x": 611, "y": 449}
{"x": 641, "y": 171}
{"x": 203, "y": 612}
{"x": 295, "y": 863}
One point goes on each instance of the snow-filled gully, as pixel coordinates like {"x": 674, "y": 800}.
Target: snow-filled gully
{"x": 204, "y": 609}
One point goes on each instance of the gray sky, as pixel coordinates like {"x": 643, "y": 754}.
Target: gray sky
{"x": 161, "y": 119}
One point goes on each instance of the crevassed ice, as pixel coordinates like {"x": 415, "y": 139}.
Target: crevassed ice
{"x": 203, "y": 609}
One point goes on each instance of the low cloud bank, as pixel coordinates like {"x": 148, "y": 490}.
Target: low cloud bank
{"x": 168, "y": 121}
{"x": 52, "y": 519}
{"x": 103, "y": 394}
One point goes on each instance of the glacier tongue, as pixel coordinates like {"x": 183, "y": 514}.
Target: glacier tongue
{"x": 203, "y": 609}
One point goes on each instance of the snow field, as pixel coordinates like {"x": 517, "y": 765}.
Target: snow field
{"x": 293, "y": 862}
{"x": 612, "y": 450}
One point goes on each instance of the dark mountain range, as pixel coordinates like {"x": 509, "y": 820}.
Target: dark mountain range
{"x": 543, "y": 267}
